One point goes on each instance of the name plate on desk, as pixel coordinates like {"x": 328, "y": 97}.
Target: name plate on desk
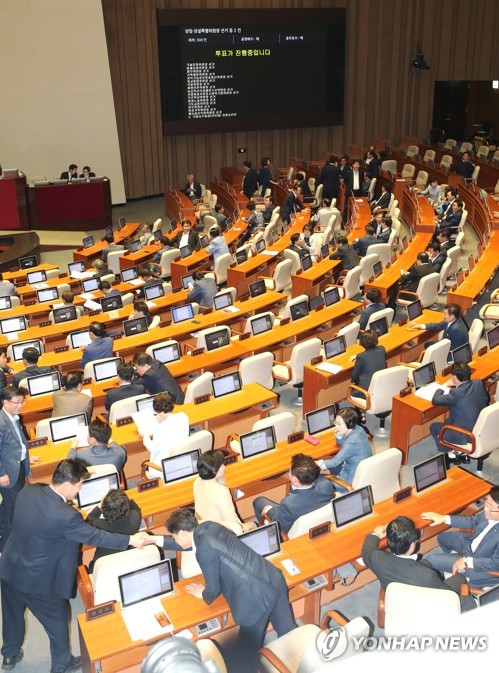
{"x": 482, "y": 351}
{"x": 403, "y": 494}
{"x": 34, "y": 443}
{"x": 296, "y": 437}
{"x": 202, "y": 398}
{"x": 197, "y": 351}
{"x": 94, "y": 312}
{"x": 244, "y": 336}
{"x": 244, "y": 297}
{"x": 316, "y": 360}
{"x": 46, "y": 323}
{"x": 116, "y": 336}
{"x": 147, "y": 485}
{"x": 21, "y": 284}
{"x": 124, "y": 421}
{"x": 165, "y": 323}
{"x": 318, "y": 531}
{"x": 298, "y": 272}
{"x": 177, "y": 289}
{"x": 230, "y": 458}
{"x": 61, "y": 349}
{"x": 405, "y": 391}
{"x": 30, "y": 303}
{"x": 285, "y": 321}
{"x": 86, "y": 382}
{"x": 403, "y": 322}
{"x": 99, "y": 611}
{"x": 446, "y": 371}
{"x": 63, "y": 275}
{"x": 14, "y": 269}
{"x": 319, "y": 307}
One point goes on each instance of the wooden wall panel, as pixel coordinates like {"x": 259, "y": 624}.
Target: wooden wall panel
{"x": 384, "y": 96}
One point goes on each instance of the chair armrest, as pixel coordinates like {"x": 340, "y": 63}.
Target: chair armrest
{"x": 333, "y": 614}
{"x": 381, "y": 608}
{"x": 85, "y": 586}
{"x": 188, "y": 347}
{"x": 233, "y": 437}
{"x": 407, "y": 292}
{"x": 284, "y": 364}
{"x": 458, "y": 447}
{"x": 486, "y": 308}
{"x": 340, "y": 482}
{"x": 273, "y": 660}
{"x": 143, "y": 469}
{"x": 264, "y": 519}
{"x": 352, "y": 400}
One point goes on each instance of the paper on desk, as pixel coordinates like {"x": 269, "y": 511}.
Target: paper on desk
{"x": 82, "y": 436}
{"x": 231, "y": 309}
{"x": 40, "y": 286}
{"x": 427, "y": 392}
{"x": 271, "y": 253}
{"x": 13, "y": 336}
{"x": 151, "y": 304}
{"x": 114, "y": 315}
{"x": 92, "y": 305}
{"x": 87, "y": 295}
{"x": 136, "y": 281}
{"x": 329, "y": 367}
{"x": 82, "y": 274}
{"x": 145, "y": 421}
{"x": 141, "y": 622}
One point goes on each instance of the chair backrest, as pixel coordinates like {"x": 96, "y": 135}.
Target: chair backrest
{"x": 295, "y": 260}
{"x": 454, "y": 254}
{"x": 429, "y": 155}
{"x": 460, "y": 237}
{"x": 156, "y": 225}
{"x": 63, "y": 287}
{"x": 286, "y": 312}
{"x": 201, "y": 336}
{"x": 384, "y": 385}
{"x": 43, "y": 428}
{"x": 390, "y": 165}
{"x": 381, "y": 473}
{"x": 446, "y": 160}
{"x": 203, "y": 440}
{"x": 124, "y": 408}
{"x": 413, "y": 610}
{"x": 207, "y": 648}
{"x": 89, "y": 371}
{"x": 221, "y": 265}
{"x": 251, "y": 319}
{"x": 108, "y": 568}
{"x": 301, "y": 355}
{"x": 372, "y": 187}
{"x": 412, "y": 150}
{"x": 307, "y": 521}
{"x": 350, "y": 332}
{"x": 366, "y": 265}
{"x": 128, "y": 298}
{"x": 166, "y": 260}
{"x": 466, "y": 147}
{"x": 351, "y": 284}
{"x": 483, "y": 152}
{"x": 428, "y": 289}
{"x": 110, "y": 277}
{"x": 311, "y": 185}
{"x": 258, "y": 369}
{"x": 475, "y": 334}
{"x": 318, "y": 194}
{"x": 200, "y": 386}
{"x": 437, "y": 353}
{"x": 113, "y": 260}
{"x": 231, "y": 290}
{"x": 387, "y": 313}
{"x": 474, "y": 175}
{"x": 209, "y": 222}
{"x": 283, "y": 424}
{"x": 162, "y": 344}
{"x": 102, "y": 470}
{"x": 422, "y": 179}
{"x": 382, "y": 250}
{"x": 450, "y": 144}
{"x": 408, "y": 171}
{"x": 444, "y": 274}
{"x": 282, "y": 275}
{"x": 485, "y": 431}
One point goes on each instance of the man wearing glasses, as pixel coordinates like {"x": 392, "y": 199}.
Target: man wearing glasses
{"x": 475, "y": 554}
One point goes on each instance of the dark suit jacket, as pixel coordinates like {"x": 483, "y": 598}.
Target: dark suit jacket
{"x": 382, "y": 202}
{"x": 363, "y": 244}
{"x": 122, "y": 393}
{"x": 410, "y": 282}
{"x": 463, "y": 168}
{"x": 90, "y": 175}
{"x": 101, "y": 347}
{"x": 65, "y": 176}
{"x": 456, "y": 332}
{"x": 349, "y": 182}
{"x": 367, "y": 313}
{"x": 486, "y": 555}
{"x": 384, "y": 235}
{"x": 368, "y": 363}
{"x": 302, "y": 501}
{"x": 291, "y": 205}
{"x": 158, "y": 380}
{"x": 465, "y": 403}
{"x": 10, "y": 450}
{"x": 193, "y": 240}
{"x": 329, "y": 178}
{"x": 127, "y": 526}
{"x": 250, "y": 182}
{"x": 452, "y": 220}
{"x": 31, "y": 370}
{"x": 372, "y": 168}
{"x": 348, "y": 256}
{"x": 438, "y": 261}
{"x": 445, "y": 247}
{"x": 197, "y": 189}
{"x": 41, "y": 555}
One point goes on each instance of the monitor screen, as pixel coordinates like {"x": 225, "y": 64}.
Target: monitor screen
{"x": 405, "y": 243}
{"x": 265, "y": 540}
{"x": 90, "y": 284}
{"x": 76, "y": 267}
{"x": 108, "y": 231}
{"x": 488, "y": 596}
{"x": 493, "y": 337}
{"x": 80, "y": 338}
{"x": 335, "y": 346}
{"x": 50, "y": 294}
{"x": 46, "y": 383}
{"x": 222, "y": 300}
{"x": 462, "y": 354}
{"x": 5, "y": 302}
{"x": 28, "y": 262}
{"x": 36, "y": 277}
{"x": 325, "y": 250}
{"x": 187, "y": 280}
{"x": 181, "y": 313}
{"x": 414, "y": 310}
{"x": 377, "y": 269}
{"x": 226, "y": 384}
{"x": 331, "y": 296}
{"x": 261, "y": 324}
{"x": 205, "y": 241}
{"x": 135, "y": 326}
{"x": 352, "y": 506}
{"x": 259, "y": 441}
{"x": 121, "y": 222}
{"x": 13, "y": 325}
{"x": 429, "y": 472}
{"x": 380, "y": 326}
{"x": 257, "y": 288}
{"x": 67, "y": 427}
{"x": 145, "y": 404}
{"x": 106, "y": 370}
{"x": 299, "y": 310}
{"x": 135, "y": 246}
{"x": 241, "y": 255}
{"x": 18, "y": 348}
{"x": 64, "y": 314}
{"x": 423, "y": 376}
{"x": 88, "y": 241}
{"x": 129, "y": 274}
{"x": 180, "y": 467}
{"x": 306, "y": 262}
{"x": 260, "y": 246}
{"x": 185, "y": 251}
{"x": 393, "y": 256}
{"x": 93, "y": 490}
{"x": 217, "y": 339}
{"x": 321, "y": 419}
{"x": 154, "y": 291}
{"x": 140, "y": 585}
{"x": 167, "y": 353}
{"x": 158, "y": 235}
{"x": 112, "y": 303}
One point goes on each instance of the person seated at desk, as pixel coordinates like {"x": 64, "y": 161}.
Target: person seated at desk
{"x": 7, "y": 289}
{"x": 361, "y": 245}
{"x": 203, "y": 290}
{"x": 446, "y": 206}
{"x": 100, "y": 346}
{"x": 292, "y": 204}
{"x": 101, "y": 450}
{"x": 453, "y": 326}
{"x": 146, "y": 274}
{"x": 156, "y": 377}
{"x": 125, "y": 387}
{"x": 372, "y": 360}
{"x": 372, "y": 303}
{"x": 218, "y": 213}
{"x": 212, "y": 499}
{"x": 30, "y": 362}
{"x": 218, "y": 245}
{"x": 323, "y": 212}
{"x": 474, "y": 555}
{"x": 344, "y": 252}
{"x": 464, "y": 166}
{"x": 108, "y": 290}
{"x": 383, "y": 235}
{"x": 297, "y": 245}
{"x": 141, "y": 310}
{"x": 309, "y": 491}
{"x": 409, "y": 281}
{"x": 186, "y": 237}
{"x": 270, "y": 206}
{"x": 110, "y": 247}
{"x": 170, "y": 429}
{"x": 100, "y": 268}
{"x": 70, "y": 399}
{"x": 68, "y": 297}
{"x": 308, "y": 238}
{"x": 166, "y": 245}
{"x": 444, "y": 239}
{"x": 254, "y": 219}
{"x": 4, "y": 368}
{"x": 71, "y": 173}
{"x": 87, "y": 173}
{"x": 451, "y": 220}
{"x": 117, "y": 513}
{"x": 145, "y": 234}
{"x": 192, "y": 189}
{"x": 376, "y": 222}
{"x": 384, "y": 200}
{"x": 465, "y": 400}
{"x": 437, "y": 257}
{"x": 354, "y": 445}
{"x": 402, "y": 563}
{"x": 432, "y": 192}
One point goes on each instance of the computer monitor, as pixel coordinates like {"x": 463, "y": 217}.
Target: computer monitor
{"x": 18, "y": 348}
{"x": 488, "y": 596}
{"x": 265, "y": 540}
{"x": 321, "y": 419}
{"x": 180, "y": 467}
{"x": 140, "y": 585}
{"x": 462, "y": 354}
{"x": 28, "y": 262}
{"x": 261, "y": 324}
{"x": 430, "y": 472}
{"x": 67, "y": 427}
{"x": 257, "y": 288}
{"x": 217, "y": 339}
{"x": 187, "y": 280}
{"x": 112, "y": 303}
{"x": 158, "y": 235}
{"x": 50, "y": 294}
{"x": 352, "y": 506}
{"x": 145, "y": 404}
{"x": 44, "y": 384}
{"x": 229, "y": 222}
{"x": 106, "y": 370}
{"x": 76, "y": 267}
{"x": 241, "y": 255}
{"x": 93, "y": 490}
{"x": 257, "y": 442}
{"x": 108, "y": 231}
{"x": 299, "y": 310}
{"x": 325, "y": 250}
{"x": 222, "y": 300}
{"x": 393, "y": 256}
{"x": 121, "y": 223}
{"x": 380, "y": 326}
{"x": 331, "y": 296}
{"x": 80, "y": 338}
{"x": 405, "y": 243}
{"x": 274, "y": 236}
{"x": 423, "y": 376}
{"x": 129, "y": 274}
{"x": 64, "y": 314}
{"x": 154, "y": 291}
{"x": 88, "y": 241}
{"x": 306, "y": 262}
{"x": 134, "y": 326}
{"x": 226, "y": 384}
{"x": 167, "y": 353}
{"x": 185, "y": 251}
{"x": 414, "y": 310}
{"x": 135, "y": 246}
{"x": 10, "y": 325}
{"x": 493, "y": 337}
{"x": 36, "y": 277}
{"x": 260, "y": 246}
{"x": 334, "y": 347}
{"x": 205, "y": 241}
{"x": 5, "y": 302}
{"x": 377, "y": 269}
{"x": 90, "y": 284}
{"x": 181, "y": 313}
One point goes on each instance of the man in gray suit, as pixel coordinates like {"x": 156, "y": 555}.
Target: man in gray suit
{"x": 101, "y": 451}
{"x": 14, "y": 457}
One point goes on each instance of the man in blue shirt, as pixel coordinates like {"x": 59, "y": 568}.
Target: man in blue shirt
{"x": 453, "y": 326}
{"x": 100, "y": 346}
{"x": 204, "y": 289}
{"x": 218, "y": 245}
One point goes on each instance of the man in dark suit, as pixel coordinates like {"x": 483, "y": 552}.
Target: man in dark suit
{"x": 410, "y": 281}
{"x": 372, "y": 303}
{"x": 297, "y": 246}
{"x": 192, "y": 189}
{"x": 126, "y": 388}
{"x": 437, "y": 257}
{"x": 156, "y": 377}
{"x": 100, "y": 268}
{"x": 474, "y": 555}
{"x": 349, "y": 258}
{"x": 402, "y": 564}
{"x": 383, "y": 235}
{"x": 345, "y": 167}
{"x": 361, "y": 245}
{"x": 108, "y": 290}
{"x": 71, "y": 173}
{"x": 270, "y": 206}
{"x": 464, "y": 167}
{"x": 372, "y": 165}
{"x": 39, "y": 561}
{"x": 14, "y": 458}
{"x": 100, "y": 346}
{"x": 250, "y": 180}
{"x": 30, "y": 361}
{"x": 87, "y": 172}
{"x": 453, "y": 326}
{"x": 465, "y": 401}
{"x": 355, "y": 180}
{"x": 329, "y": 178}
{"x": 187, "y": 237}
{"x": 101, "y": 451}
{"x": 444, "y": 240}
{"x": 254, "y": 588}
{"x": 147, "y": 276}
{"x": 110, "y": 247}
{"x": 291, "y": 204}
{"x": 384, "y": 200}
{"x": 452, "y": 220}
{"x": 309, "y": 490}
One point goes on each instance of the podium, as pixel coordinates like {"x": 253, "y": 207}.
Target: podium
{"x": 13, "y": 204}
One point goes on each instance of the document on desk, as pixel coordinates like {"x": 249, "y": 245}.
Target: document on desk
{"x": 82, "y": 274}
{"x": 145, "y": 421}
{"x": 141, "y": 622}
{"x": 427, "y": 392}
{"x": 231, "y": 309}
{"x": 87, "y": 295}
{"x": 39, "y": 286}
{"x": 151, "y": 304}
{"x": 271, "y": 253}
{"x": 136, "y": 281}
{"x": 92, "y": 305}
{"x": 329, "y": 368}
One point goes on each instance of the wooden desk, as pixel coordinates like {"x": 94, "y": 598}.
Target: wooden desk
{"x": 232, "y": 175}
{"x": 313, "y": 281}
{"x": 475, "y": 284}
{"x": 88, "y": 254}
{"x": 20, "y": 274}
{"x": 178, "y": 205}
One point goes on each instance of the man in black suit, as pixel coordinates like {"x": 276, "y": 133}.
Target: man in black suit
{"x": 291, "y": 204}
{"x": 192, "y": 189}
{"x": 87, "y": 173}
{"x": 71, "y": 173}
{"x": 465, "y": 401}
{"x": 187, "y": 237}
{"x": 349, "y": 258}
{"x": 402, "y": 564}
{"x": 254, "y": 588}
{"x": 156, "y": 377}
{"x": 410, "y": 280}
{"x": 384, "y": 200}
{"x": 146, "y": 274}
{"x": 100, "y": 268}
{"x": 452, "y": 220}
{"x": 372, "y": 165}
{"x": 270, "y": 206}
{"x": 250, "y": 180}
{"x": 39, "y": 561}
{"x": 453, "y": 326}
{"x": 444, "y": 240}
{"x": 297, "y": 246}
{"x": 329, "y": 178}
{"x": 354, "y": 180}
{"x": 383, "y": 235}
{"x": 30, "y": 361}
{"x": 126, "y": 388}
{"x": 361, "y": 245}
{"x": 464, "y": 167}
{"x": 345, "y": 167}
{"x": 372, "y": 303}
{"x": 108, "y": 290}
{"x": 437, "y": 257}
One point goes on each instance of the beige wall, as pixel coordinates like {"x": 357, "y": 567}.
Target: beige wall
{"x": 56, "y": 101}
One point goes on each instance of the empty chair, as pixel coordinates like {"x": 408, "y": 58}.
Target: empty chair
{"x": 295, "y": 260}
{"x": 251, "y": 320}
{"x": 128, "y": 298}
{"x": 258, "y": 369}
{"x": 445, "y": 162}
{"x": 460, "y": 239}
{"x": 454, "y": 253}
{"x": 220, "y": 268}
{"x": 292, "y": 370}
{"x": 89, "y": 371}
{"x": 475, "y": 334}
{"x": 350, "y": 332}
{"x": 427, "y": 292}
{"x": 390, "y": 166}
{"x": 53, "y": 273}
{"x": 430, "y": 610}
{"x": 157, "y": 225}
{"x": 200, "y": 386}
{"x": 466, "y": 147}
{"x": 421, "y": 179}
{"x": 166, "y": 260}
{"x": 490, "y": 312}
{"x": 201, "y": 336}
{"x": 474, "y": 176}
{"x": 231, "y": 290}
{"x": 113, "y": 261}
{"x": 209, "y": 222}
{"x": 170, "y": 343}
{"x": 450, "y": 144}
{"x": 318, "y": 194}
{"x": 411, "y": 151}
{"x": 436, "y": 353}
{"x": 286, "y": 312}
{"x": 124, "y": 408}
{"x": 203, "y": 440}
{"x": 429, "y": 157}
{"x": 283, "y": 424}
{"x": 408, "y": 171}
{"x": 382, "y": 250}
{"x": 351, "y": 283}
{"x": 372, "y": 187}
{"x": 110, "y": 277}
{"x": 281, "y": 280}
{"x": 387, "y": 313}
{"x": 366, "y": 267}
